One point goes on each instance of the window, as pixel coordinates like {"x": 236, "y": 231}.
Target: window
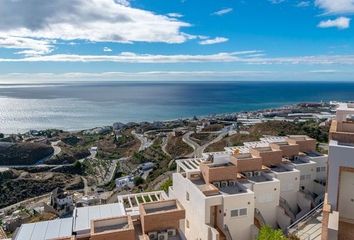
{"x": 187, "y": 223}
{"x": 323, "y": 169}
{"x": 187, "y": 196}
{"x": 305, "y": 177}
{"x": 238, "y": 212}
{"x": 234, "y": 213}
{"x": 243, "y": 211}
{"x": 318, "y": 169}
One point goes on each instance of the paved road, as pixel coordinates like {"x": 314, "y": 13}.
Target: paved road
{"x": 199, "y": 150}
{"x": 191, "y": 143}
{"x": 145, "y": 142}
{"x": 164, "y": 144}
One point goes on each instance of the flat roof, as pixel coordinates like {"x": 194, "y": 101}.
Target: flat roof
{"x": 58, "y": 228}
{"x": 84, "y": 215}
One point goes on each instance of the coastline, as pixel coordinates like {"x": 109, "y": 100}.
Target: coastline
{"x": 189, "y": 118}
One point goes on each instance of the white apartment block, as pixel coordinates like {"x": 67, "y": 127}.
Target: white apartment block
{"x": 231, "y": 194}
{"x": 223, "y": 195}
{"x": 338, "y": 209}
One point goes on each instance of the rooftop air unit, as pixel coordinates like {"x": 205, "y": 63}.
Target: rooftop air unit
{"x": 171, "y": 232}
{"x": 232, "y": 183}
{"x": 249, "y": 174}
{"x": 257, "y": 173}
{"x": 152, "y": 235}
{"x": 224, "y": 184}
{"x": 216, "y": 184}
{"x": 162, "y": 236}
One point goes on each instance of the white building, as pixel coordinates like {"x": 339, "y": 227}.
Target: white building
{"x": 233, "y": 193}
{"x": 124, "y": 182}
{"x": 338, "y": 209}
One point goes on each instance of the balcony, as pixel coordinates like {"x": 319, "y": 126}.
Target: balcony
{"x": 162, "y": 215}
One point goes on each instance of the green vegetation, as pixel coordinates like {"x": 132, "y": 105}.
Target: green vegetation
{"x": 166, "y": 185}
{"x": 28, "y": 185}
{"x": 138, "y": 181}
{"x": 153, "y": 153}
{"x": 267, "y": 233}
{"x": 24, "y": 153}
{"x": 1, "y": 135}
{"x": 177, "y": 148}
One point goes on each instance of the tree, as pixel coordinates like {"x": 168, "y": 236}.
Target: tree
{"x": 1, "y": 135}
{"x": 268, "y": 233}
{"x": 138, "y": 180}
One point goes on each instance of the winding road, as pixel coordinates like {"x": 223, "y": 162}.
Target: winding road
{"x": 198, "y": 150}
{"x": 145, "y": 142}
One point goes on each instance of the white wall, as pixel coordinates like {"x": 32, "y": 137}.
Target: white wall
{"x": 321, "y": 162}
{"x": 240, "y": 227}
{"x": 346, "y": 195}
{"x": 267, "y": 199}
{"x": 197, "y": 210}
{"x": 289, "y": 186}
{"x": 309, "y": 171}
{"x": 339, "y": 155}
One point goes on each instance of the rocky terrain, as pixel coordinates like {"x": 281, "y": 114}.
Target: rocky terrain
{"x": 23, "y": 153}
{"x": 16, "y": 186}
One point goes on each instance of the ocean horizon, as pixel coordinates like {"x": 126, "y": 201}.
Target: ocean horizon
{"x": 84, "y": 105}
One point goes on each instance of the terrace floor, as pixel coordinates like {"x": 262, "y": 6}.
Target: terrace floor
{"x": 312, "y": 230}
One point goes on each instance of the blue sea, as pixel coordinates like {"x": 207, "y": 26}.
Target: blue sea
{"x": 75, "y": 106}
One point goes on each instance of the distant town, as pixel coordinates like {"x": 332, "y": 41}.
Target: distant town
{"x": 59, "y": 177}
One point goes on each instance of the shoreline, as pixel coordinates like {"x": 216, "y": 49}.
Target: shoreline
{"x": 189, "y": 118}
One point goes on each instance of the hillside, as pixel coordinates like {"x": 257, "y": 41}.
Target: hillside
{"x": 23, "y": 153}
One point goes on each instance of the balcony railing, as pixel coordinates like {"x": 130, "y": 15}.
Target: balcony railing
{"x": 295, "y": 226}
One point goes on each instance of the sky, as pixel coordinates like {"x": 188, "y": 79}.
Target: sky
{"x": 69, "y": 40}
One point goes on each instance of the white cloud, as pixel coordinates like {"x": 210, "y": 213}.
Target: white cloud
{"x": 303, "y": 4}
{"x": 107, "y": 49}
{"x": 28, "y": 46}
{"x": 213, "y": 41}
{"x": 174, "y": 15}
{"x": 325, "y": 71}
{"x": 223, "y": 11}
{"x": 341, "y": 23}
{"x": 336, "y": 6}
{"x": 276, "y": 1}
{"x": 39, "y": 22}
{"x": 305, "y": 75}
{"x": 243, "y": 57}
{"x": 147, "y": 76}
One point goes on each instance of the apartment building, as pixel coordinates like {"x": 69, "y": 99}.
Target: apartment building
{"x": 223, "y": 195}
{"x": 338, "y": 209}
{"x": 231, "y": 194}
{"x": 143, "y": 216}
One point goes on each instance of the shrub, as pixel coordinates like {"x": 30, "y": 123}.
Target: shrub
{"x": 268, "y": 233}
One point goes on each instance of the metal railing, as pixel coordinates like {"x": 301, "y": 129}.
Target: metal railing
{"x": 303, "y": 219}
